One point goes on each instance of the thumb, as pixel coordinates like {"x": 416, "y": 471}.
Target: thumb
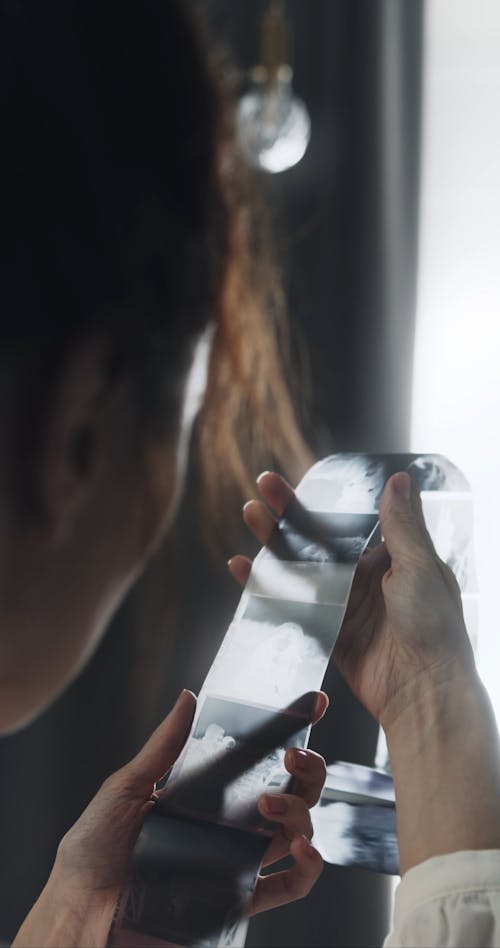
{"x": 166, "y": 742}
{"x": 402, "y": 521}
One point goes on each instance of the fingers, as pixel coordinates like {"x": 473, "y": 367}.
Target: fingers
{"x": 275, "y": 490}
{"x": 165, "y": 744}
{"x": 295, "y": 883}
{"x": 239, "y": 567}
{"x": 277, "y": 494}
{"x": 291, "y": 810}
{"x": 402, "y": 521}
{"x": 309, "y": 770}
{"x": 320, "y": 707}
{"x": 259, "y": 520}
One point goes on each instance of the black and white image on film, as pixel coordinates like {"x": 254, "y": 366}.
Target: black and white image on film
{"x": 303, "y": 582}
{"x": 234, "y": 755}
{"x": 309, "y": 536}
{"x": 356, "y": 783}
{"x": 192, "y": 883}
{"x": 450, "y": 524}
{"x": 201, "y": 846}
{"x": 275, "y": 650}
{"x": 350, "y": 483}
{"x": 362, "y": 835}
{"x": 435, "y": 472}
{"x": 354, "y": 482}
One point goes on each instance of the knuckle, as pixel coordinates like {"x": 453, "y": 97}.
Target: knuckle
{"x": 406, "y": 518}
{"x": 312, "y": 783}
{"x": 304, "y": 821}
{"x": 315, "y": 796}
{"x": 298, "y": 821}
{"x": 316, "y": 762}
{"x": 304, "y": 825}
{"x": 417, "y": 556}
{"x": 295, "y": 816}
{"x": 322, "y": 769}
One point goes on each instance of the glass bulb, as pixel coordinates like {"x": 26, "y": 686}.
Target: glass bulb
{"x": 273, "y": 124}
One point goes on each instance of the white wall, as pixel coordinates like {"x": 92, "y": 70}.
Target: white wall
{"x": 456, "y": 406}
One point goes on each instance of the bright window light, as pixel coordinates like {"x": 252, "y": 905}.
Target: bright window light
{"x": 456, "y": 396}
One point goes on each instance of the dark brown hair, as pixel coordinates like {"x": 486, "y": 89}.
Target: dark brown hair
{"x": 129, "y": 211}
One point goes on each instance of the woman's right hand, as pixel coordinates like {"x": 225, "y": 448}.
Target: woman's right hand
{"x": 404, "y": 630}
{"x": 404, "y": 651}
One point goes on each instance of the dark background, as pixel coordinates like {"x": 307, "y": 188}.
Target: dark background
{"x": 345, "y": 219}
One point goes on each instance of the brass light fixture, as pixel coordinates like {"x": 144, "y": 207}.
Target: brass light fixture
{"x": 273, "y": 124}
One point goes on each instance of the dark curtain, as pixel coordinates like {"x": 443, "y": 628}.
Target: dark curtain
{"x": 346, "y": 219}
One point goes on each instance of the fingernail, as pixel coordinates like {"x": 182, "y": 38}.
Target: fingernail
{"x": 229, "y": 563}
{"x": 261, "y": 476}
{"x": 300, "y": 759}
{"x": 247, "y": 504}
{"x": 319, "y": 704}
{"x": 275, "y": 804}
{"x": 402, "y": 484}
{"x": 183, "y": 695}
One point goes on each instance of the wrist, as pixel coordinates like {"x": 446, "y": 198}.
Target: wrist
{"x": 66, "y": 916}
{"x": 51, "y": 921}
{"x": 445, "y": 758}
{"x": 432, "y": 702}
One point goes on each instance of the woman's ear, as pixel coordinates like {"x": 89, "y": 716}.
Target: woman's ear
{"x": 70, "y": 457}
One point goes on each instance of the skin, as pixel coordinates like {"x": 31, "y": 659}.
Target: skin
{"x": 77, "y": 904}
{"x": 404, "y": 651}
{"x": 61, "y": 579}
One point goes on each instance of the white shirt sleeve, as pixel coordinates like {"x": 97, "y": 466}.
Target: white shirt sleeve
{"x": 451, "y": 900}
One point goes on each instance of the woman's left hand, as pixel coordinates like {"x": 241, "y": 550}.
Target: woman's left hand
{"x": 77, "y": 905}
{"x": 291, "y": 811}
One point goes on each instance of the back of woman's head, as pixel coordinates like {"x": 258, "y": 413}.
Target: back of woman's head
{"x": 114, "y": 214}
{"x": 126, "y": 213}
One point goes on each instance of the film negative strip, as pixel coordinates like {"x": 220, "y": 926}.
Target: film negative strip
{"x": 355, "y": 819}
{"x": 199, "y": 853}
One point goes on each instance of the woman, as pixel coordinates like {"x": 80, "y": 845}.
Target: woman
{"x": 127, "y": 282}
{"x": 129, "y": 275}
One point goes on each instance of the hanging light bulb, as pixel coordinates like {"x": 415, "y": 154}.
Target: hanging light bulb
{"x": 273, "y": 124}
